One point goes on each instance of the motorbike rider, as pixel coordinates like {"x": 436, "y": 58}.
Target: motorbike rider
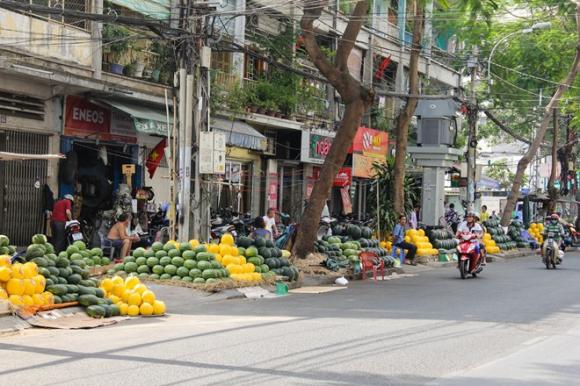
{"x": 470, "y": 225}
{"x": 554, "y": 227}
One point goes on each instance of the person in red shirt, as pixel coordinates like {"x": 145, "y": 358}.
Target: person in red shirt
{"x": 61, "y": 213}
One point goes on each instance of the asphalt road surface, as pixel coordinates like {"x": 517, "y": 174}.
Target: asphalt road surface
{"x": 516, "y": 324}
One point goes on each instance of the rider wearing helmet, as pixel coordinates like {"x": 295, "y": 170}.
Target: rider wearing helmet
{"x": 470, "y": 225}
{"x": 554, "y": 227}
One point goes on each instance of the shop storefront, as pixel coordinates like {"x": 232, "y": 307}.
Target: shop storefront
{"x": 26, "y": 126}
{"x": 239, "y": 187}
{"x": 352, "y": 184}
{"x": 315, "y": 147}
{"x": 105, "y": 146}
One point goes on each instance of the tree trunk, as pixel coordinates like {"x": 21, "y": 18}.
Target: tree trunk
{"x": 541, "y": 132}
{"x": 552, "y": 191}
{"x": 404, "y": 117}
{"x": 308, "y": 228}
{"x": 357, "y": 100}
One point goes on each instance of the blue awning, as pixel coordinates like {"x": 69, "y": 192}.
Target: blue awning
{"x": 239, "y": 133}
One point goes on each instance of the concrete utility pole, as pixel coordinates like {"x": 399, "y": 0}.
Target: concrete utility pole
{"x": 473, "y": 113}
{"x": 194, "y": 111}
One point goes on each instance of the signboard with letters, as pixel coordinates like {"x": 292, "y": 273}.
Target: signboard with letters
{"x": 86, "y": 119}
{"x": 369, "y": 147}
{"x": 315, "y": 145}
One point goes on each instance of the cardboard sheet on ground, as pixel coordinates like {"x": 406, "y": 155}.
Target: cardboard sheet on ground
{"x": 78, "y": 320}
{"x": 315, "y": 290}
{"x": 256, "y": 293}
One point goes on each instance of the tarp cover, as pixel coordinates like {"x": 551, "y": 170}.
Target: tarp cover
{"x": 7, "y": 156}
{"x": 239, "y": 134}
{"x": 155, "y": 9}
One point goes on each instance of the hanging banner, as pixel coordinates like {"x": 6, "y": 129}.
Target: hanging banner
{"x": 346, "y": 202}
{"x": 273, "y": 191}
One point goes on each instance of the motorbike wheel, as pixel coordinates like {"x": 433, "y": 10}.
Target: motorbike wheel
{"x": 463, "y": 268}
{"x": 554, "y": 259}
{"x": 547, "y": 259}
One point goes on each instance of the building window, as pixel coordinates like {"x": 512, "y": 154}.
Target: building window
{"x": 255, "y": 68}
{"x": 73, "y": 5}
{"x": 394, "y": 12}
{"x": 222, "y": 61}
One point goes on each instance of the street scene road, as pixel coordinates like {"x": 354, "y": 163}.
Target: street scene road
{"x": 516, "y": 324}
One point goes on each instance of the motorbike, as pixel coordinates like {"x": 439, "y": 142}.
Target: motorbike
{"x": 469, "y": 255}
{"x": 230, "y": 222}
{"x": 551, "y": 257}
{"x": 73, "y": 231}
{"x": 325, "y": 227}
{"x": 572, "y": 237}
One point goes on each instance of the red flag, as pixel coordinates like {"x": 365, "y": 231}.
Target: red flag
{"x": 155, "y": 157}
{"x": 382, "y": 67}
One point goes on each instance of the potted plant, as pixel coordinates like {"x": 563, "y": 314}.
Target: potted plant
{"x": 116, "y": 41}
{"x": 163, "y": 65}
{"x": 236, "y": 100}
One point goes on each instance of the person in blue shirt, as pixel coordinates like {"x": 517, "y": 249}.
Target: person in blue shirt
{"x": 399, "y": 240}
{"x": 260, "y": 230}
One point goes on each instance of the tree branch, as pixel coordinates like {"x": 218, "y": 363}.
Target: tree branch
{"x": 508, "y": 130}
{"x": 350, "y": 34}
{"x": 311, "y": 14}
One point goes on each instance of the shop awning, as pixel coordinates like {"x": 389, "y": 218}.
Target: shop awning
{"x": 239, "y": 134}
{"x": 7, "y": 156}
{"x": 155, "y": 9}
{"x": 147, "y": 120}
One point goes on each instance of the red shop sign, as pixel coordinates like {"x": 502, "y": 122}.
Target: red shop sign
{"x": 343, "y": 178}
{"x": 83, "y": 117}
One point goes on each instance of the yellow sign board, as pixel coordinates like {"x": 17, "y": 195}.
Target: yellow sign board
{"x": 128, "y": 169}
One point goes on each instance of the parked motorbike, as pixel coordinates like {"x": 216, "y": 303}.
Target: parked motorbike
{"x": 234, "y": 223}
{"x": 73, "y": 232}
{"x": 551, "y": 257}
{"x": 469, "y": 255}
{"x": 325, "y": 228}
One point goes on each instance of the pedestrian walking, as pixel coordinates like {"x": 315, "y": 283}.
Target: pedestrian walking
{"x": 484, "y": 215}
{"x": 452, "y": 218}
{"x": 414, "y": 217}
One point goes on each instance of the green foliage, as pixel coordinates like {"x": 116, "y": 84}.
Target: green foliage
{"x": 524, "y": 65}
{"x": 499, "y": 171}
{"x": 386, "y": 211}
{"x": 116, "y": 38}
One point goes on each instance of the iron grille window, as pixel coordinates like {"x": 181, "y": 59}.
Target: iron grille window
{"x": 74, "y": 5}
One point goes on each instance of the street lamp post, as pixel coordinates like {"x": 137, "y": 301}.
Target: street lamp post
{"x": 535, "y": 27}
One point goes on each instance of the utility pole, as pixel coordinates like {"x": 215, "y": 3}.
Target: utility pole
{"x": 473, "y": 113}
{"x": 194, "y": 111}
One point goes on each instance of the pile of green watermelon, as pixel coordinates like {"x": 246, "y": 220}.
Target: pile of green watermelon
{"x": 67, "y": 275}
{"x": 344, "y": 248}
{"x": 167, "y": 262}
{"x": 262, "y": 252}
{"x": 5, "y": 247}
